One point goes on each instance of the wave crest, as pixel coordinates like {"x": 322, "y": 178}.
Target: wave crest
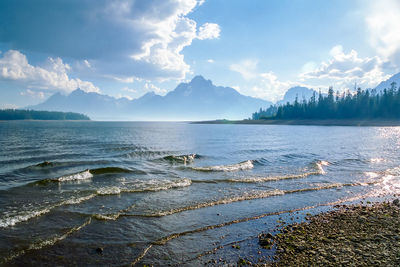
{"x": 245, "y": 165}
{"x": 181, "y": 158}
{"x": 85, "y": 175}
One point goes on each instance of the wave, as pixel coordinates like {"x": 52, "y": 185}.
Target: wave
{"x": 25, "y": 215}
{"x": 7, "y": 221}
{"x": 270, "y": 178}
{"x": 46, "y": 243}
{"x": 257, "y": 179}
{"x": 257, "y": 195}
{"x": 320, "y": 164}
{"x": 44, "y": 164}
{"x": 87, "y": 175}
{"x": 145, "y": 186}
{"x": 136, "y": 186}
{"x": 251, "y": 196}
{"x": 181, "y": 158}
{"x": 107, "y": 170}
{"x": 228, "y": 200}
{"x": 245, "y": 165}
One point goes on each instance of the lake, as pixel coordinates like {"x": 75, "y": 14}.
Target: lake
{"x": 120, "y": 193}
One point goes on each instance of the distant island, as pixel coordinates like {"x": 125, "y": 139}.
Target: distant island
{"x": 22, "y": 114}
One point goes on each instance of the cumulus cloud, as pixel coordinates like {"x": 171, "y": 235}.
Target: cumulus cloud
{"x": 209, "y": 31}
{"x": 120, "y": 38}
{"x": 264, "y": 85}
{"x": 14, "y": 66}
{"x": 247, "y": 68}
{"x": 33, "y": 94}
{"x": 149, "y": 87}
{"x": 383, "y": 22}
{"x": 343, "y": 70}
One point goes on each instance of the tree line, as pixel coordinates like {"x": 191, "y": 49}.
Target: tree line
{"x": 22, "y": 114}
{"x": 362, "y": 104}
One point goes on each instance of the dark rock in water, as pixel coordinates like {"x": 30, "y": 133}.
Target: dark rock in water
{"x": 99, "y": 250}
{"x": 265, "y": 239}
{"x": 44, "y": 164}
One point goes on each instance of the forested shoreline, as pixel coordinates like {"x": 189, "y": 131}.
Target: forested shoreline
{"x": 22, "y": 114}
{"x": 363, "y": 104}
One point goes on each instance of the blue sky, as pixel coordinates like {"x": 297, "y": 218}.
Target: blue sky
{"x": 128, "y": 48}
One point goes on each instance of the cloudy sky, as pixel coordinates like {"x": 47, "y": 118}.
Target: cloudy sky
{"x": 125, "y": 48}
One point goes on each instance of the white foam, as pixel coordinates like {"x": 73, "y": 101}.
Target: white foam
{"x": 85, "y": 175}
{"x": 13, "y": 219}
{"x": 247, "y": 196}
{"x": 113, "y": 190}
{"x": 245, "y": 165}
{"x": 320, "y": 164}
{"x": 22, "y": 216}
{"x": 376, "y": 160}
{"x": 371, "y": 174}
{"x": 271, "y": 178}
{"x": 107, "y": 217}
{"x": 156, "y": 185}
{"x": 78, "y": 200}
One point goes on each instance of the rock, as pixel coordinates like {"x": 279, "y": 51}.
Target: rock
{"x": 99, "y": 250}
{"x": 396, "y": 202}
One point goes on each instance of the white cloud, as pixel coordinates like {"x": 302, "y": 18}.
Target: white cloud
{"x": 247, "y": 68}
{"x": 14, "y": 66}
{"x": 210, "y": 60}
{"x": 121, "y": 38}
{"x": 209, "y": 31}
{"x": 383, "y": 22}
{"x": 264, "y": 85}
{"x": 344, "y": 70}
{"x": 125, "y": 96}
{"x": 149, "y": 87}
{"x": 130, "y": 90}
{"x": 33, "y": 94}
{"x": 87, "y": 63}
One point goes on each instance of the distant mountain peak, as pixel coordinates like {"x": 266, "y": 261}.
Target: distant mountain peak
{"x": 78, "y": 91}
{"x": 200, "y": 80}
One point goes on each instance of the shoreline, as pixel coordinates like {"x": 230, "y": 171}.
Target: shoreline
{"x": 357, "y": 234}
{"x": 379, "y": 123}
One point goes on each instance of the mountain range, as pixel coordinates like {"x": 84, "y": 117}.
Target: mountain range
{"x": 197, "y": 100}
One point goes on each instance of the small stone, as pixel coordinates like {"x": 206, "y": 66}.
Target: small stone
{"x": 99, "y": 250}
{"x": 396, "y": 202}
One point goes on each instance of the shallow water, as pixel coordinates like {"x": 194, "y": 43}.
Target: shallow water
{"x": 163, "y": 193}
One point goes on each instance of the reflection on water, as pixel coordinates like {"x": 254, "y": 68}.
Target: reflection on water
{"x": 142, "y": 191}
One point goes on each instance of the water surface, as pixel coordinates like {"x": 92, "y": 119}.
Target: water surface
{"x": 164, "y": 193}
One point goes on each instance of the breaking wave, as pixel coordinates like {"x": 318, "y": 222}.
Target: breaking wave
{"x": 87, "y": 175}
{"x": 11, "y": 219}
{"x": 182, "y": 158}
{"x": 145, "y": 186}
{"x": 228, "y": 200}
{"x": 245, "y": 165}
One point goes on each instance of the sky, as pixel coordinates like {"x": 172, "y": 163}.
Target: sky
{"x": 126, "y": 48}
